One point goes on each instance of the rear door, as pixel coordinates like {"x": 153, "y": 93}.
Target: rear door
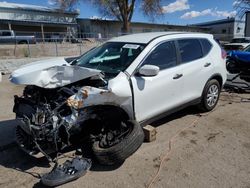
{"x": 154, "y": 95}
{"x": 196, "y": 64}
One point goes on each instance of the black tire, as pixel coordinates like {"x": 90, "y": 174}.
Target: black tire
{"x": 23, "y": 42}
{"x": 121, "y": 151}
{"x": 205, "y": 105}
{"x": 232, "y": 67}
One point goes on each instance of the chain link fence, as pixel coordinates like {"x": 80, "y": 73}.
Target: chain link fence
{"x": 51, "y": 44}
{"x": 47, "y": 49}
{"x": 63, "y": 44}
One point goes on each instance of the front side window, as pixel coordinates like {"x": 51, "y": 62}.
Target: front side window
{"x": 190, "y": 50}
{"x": 163, "y": 56}
{"x": 111, "y": 57}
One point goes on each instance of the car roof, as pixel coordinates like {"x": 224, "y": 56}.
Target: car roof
{"x": 145, "y": 38}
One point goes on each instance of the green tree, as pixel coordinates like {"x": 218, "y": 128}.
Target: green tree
{"x": 121, "y": 10}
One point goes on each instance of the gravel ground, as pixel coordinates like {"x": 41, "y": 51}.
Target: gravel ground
{"x": 209, "y": 151}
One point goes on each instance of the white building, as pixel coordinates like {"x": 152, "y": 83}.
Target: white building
{"x": 38, "y": 20}
{"x": 225, "y": 29}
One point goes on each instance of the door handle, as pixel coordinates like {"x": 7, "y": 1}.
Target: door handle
{"x": 177, "y": 76}
{"x": 207, "y": 64}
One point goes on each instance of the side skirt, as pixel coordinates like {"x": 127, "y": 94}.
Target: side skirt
{"x": 164, "y": 114}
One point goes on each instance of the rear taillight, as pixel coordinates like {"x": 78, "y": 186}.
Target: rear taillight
{"x": 223, "y": 54}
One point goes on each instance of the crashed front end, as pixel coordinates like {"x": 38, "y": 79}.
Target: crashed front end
{"x": 57, "y": 102}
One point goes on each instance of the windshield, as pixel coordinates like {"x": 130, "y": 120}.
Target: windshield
{"x": 247, "y": 49}
{"x": 111, "y": 57}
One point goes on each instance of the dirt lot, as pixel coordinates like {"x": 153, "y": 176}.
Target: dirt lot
{"x": 209, "y": 151}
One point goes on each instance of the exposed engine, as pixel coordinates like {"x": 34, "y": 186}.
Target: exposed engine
{"x": 47, "y": 123}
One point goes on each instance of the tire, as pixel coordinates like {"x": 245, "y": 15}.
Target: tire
{"x": 118, "y": 153}
{"x": 232, "y": 67}
{"x": 213, "y": 89}
{"x": 23, "y": 42}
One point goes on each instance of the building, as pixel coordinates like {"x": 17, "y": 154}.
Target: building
{"x": 225, "y": 29}
{"x": 46, "y": 23}
{"x": 247, "y": 29}
{"x": 43, "y": 22}
{"x": 90, "y": 28}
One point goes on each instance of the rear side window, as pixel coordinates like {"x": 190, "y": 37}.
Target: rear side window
{"x": 206, "y": 46}
{"x": 163, "y": 56}
{"x": 190, "y": 50}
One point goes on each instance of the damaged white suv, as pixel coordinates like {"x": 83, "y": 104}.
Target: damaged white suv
{"x": 100, "y": 100}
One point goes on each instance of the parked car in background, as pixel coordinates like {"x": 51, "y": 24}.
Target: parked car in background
{"x": 9, "y": 37}
{"x": 237, "y": 44}
{"x": 239, "y": 62}
{"x": 102, "y": 98}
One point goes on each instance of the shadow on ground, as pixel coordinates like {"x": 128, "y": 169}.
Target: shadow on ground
{"x": 192, "y": 110}
{"x": 11, "y": 156}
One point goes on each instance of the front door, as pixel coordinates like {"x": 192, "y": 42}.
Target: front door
{"x": 154, "y": 95}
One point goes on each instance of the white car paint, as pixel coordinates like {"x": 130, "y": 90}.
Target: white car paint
{"x": 50, "y": 73}
{"x": 140, "y": 96}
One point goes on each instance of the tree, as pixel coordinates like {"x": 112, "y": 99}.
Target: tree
{"x": 242, "y": 6}
{"x": 121, "y": 10}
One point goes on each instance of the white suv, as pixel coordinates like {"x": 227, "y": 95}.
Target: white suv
{"x": 102, "y": 98}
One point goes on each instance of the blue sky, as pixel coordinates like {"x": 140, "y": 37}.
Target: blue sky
{"x": 180, "y": 12}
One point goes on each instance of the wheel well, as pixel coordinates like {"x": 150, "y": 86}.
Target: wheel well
{"x": 218, "y": 78}
{"x": 109, "y": 110}
{"x": 97, "y": 118}
{"x": 104, "y": 114}
{"x": 23, "y": 42}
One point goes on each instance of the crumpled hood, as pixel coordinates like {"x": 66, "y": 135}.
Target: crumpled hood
{"x": 50, "y": 73}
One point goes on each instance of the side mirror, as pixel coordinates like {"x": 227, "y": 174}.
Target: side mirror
{"x": 149, "y": 70}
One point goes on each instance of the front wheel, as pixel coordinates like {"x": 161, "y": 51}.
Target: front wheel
{"x": 123, "y": 145}
{"x": 210, "y": 95}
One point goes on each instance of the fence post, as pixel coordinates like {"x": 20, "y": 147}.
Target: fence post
{"x": 80, "y": 45}
{"x": 15, "y": 49}
{"x": 28, "y": 47}
{"x": 56, "y": 49}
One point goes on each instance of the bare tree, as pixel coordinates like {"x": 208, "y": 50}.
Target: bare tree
{"x": 121, "y": 10}
{"x": 242, "y": 6}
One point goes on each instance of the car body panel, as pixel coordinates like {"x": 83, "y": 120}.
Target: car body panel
{"x": 241, "y": 55}
{"x": 51, "y": 73}
{"x": 117, "y": 93}
{"x": 154, "y": 95}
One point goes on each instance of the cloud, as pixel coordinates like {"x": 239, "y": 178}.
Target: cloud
{"x": 208, "y": 12}
{"x": 236, "y": 3}
{"x": 51, "y": 2}
{"x": 178, "y": 5}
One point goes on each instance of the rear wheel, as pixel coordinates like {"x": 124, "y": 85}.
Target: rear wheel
{"x": 232, "y": 67}
{"x": 23, "y": 42}
{"x": 117, "y": 145}
{"x": 210, "y": 96}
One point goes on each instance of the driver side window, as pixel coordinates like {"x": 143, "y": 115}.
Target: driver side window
{"x": 163, "y": 56}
